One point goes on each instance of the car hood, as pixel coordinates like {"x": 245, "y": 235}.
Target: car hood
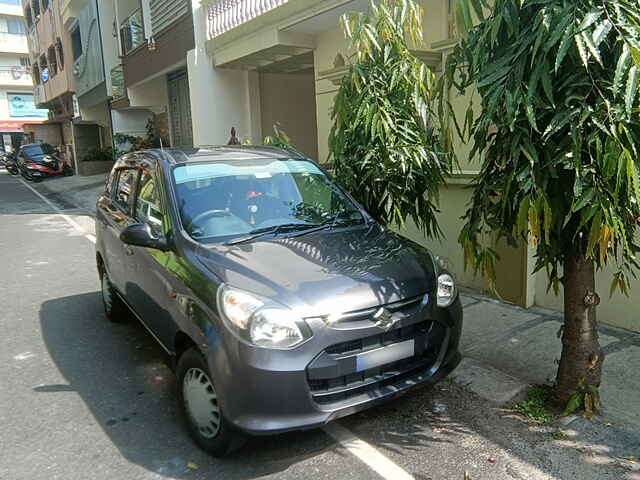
{"x": 326, "y": 272}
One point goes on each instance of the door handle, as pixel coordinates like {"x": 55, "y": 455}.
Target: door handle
{"x": 128, "y": 250}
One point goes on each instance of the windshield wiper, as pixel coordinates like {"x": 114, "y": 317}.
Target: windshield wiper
{"x": 261, "y": 232}
{"x": 330, "y": 224}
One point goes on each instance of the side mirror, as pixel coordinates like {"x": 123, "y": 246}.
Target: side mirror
{"x": 139, "y": 235}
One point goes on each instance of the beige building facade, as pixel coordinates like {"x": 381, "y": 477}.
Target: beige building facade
{"x": 17, "y": 105}
{"x": 261, "y": 62}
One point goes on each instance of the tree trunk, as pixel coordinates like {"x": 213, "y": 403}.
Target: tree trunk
{"x": 582, "y": 357}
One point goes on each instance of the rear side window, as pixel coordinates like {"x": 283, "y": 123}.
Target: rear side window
{"x": 125, "y": 184}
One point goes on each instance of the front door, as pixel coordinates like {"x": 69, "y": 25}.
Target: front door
{"x": 151, "y": 292}
{"x": 180, "y": 109}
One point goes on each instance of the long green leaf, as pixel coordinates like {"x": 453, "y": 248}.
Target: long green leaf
{"x": 564, "y": 47}
{"x": 635, "y": 51}
{"x": 592, "y": 48}
{"x": 632, "y": 175}
{"x": 582, "y": 49}
{"x": 621, "y": 69}
{"x": 632, "y": 88}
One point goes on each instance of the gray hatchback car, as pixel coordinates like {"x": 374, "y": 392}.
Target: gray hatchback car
{"x": 282, "y": 304}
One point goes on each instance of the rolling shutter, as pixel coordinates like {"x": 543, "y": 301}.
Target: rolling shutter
{"x": 166, "y": 12}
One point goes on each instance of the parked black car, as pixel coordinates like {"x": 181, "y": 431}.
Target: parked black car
{"x": 281, "y": 302}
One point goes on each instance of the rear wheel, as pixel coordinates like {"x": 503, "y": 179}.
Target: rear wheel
{"x": 114, "y": 307}
{"x": 198, "y": 400}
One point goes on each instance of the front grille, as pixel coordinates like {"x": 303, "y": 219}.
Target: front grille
{"x": 383, "y": 339}
{"x": 428, "y": 336}
{"x": 404, "y": 308}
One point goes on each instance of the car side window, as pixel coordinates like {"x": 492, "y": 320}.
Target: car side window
{"x": 148, "y": 209}
{"x": 125, "y": 184}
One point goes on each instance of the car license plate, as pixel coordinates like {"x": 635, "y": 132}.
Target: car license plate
{"x": 384, "y": 355}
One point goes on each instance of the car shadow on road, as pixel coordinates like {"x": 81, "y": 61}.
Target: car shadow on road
{"x": 120, "y": 374}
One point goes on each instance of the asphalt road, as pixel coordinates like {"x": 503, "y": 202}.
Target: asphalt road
{"x": 81, "y": 398}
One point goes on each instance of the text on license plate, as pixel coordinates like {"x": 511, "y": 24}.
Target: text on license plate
{"x": 384, "y": 355}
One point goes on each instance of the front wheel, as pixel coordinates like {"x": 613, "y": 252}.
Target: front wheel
{"x": 198, "y": 401}
{"x": 114, "y": 307}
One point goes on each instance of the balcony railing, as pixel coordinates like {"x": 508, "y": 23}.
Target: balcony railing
{"x": 16, "y": 75}
{"x": 38, "y": 95}
{"x": 13, "y": 42}
{"x": 224, "y": 15}
{"x": 132, "y": 32}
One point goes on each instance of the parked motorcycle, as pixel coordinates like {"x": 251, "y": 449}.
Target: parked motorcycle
{"x": 38, "y": 161}
{"x": 11, "y": 164}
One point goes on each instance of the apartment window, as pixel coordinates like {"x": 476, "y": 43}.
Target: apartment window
{"x": 76, "y": 42}
{"x": 60, "y": 54}
{"x": 45, "y": 4}
{"x": 28, "y": 15}
{"x": 53, "y": 61}
{"x": 16, "y": 26}
{"x": 35, "y": 6}
{"x": 44, "y": 68}
{"x": 25, "y": 62}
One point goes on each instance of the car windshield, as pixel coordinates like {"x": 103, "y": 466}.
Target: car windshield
{"x": 223, "y": 200}
{"x": 36, "y": 152}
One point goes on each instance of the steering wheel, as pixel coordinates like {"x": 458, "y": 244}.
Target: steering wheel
{"x": 208, "y": 214}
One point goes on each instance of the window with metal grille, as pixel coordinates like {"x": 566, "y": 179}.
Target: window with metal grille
{"x": 76, "y": 42}
{"x": 44, "y": 68}
{"x": 53, "y": 61}
{"x": 60, "y": 51}
{"x": 28, "y": 15}
{"x": 25, "y": 61}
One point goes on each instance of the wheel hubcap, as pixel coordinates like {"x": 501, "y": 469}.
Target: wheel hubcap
{"x": 201, "y": 402}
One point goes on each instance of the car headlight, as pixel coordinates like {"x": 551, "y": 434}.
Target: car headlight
{"x": 261, "y": 323}
{"x": 446, "y": 293}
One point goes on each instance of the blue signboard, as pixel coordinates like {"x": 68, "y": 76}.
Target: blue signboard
{"x": 21, "y": 105}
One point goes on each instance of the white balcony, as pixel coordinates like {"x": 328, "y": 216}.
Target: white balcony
{"x": 13, "y": 43}
{"x": 13, "y": 8}
{"x": 17, "y": 76}
{"x": 38, "y": 95}
{"x": 225, "y": 15}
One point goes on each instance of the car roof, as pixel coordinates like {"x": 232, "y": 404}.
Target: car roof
{"x": 226, "y": 153}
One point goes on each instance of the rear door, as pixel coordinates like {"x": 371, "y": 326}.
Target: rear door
{"x": 115, "y": 215}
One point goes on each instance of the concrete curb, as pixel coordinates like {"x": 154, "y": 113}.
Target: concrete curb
{"x": 489, "y": 383}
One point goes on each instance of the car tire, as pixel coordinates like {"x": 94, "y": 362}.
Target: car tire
{"x": 114, "y": 308}
{"x": 197, "y": 400}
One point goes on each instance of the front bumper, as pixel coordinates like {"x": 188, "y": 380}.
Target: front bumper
{"x": 267, "y": 391}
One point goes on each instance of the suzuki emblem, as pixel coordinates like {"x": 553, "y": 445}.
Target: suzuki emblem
{"x": 384, "y": 319}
